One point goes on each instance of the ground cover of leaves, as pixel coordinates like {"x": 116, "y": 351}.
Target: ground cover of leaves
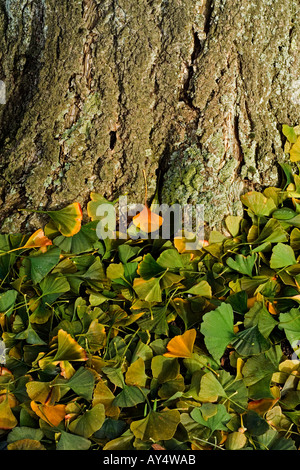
{"x": 140, "y": 344}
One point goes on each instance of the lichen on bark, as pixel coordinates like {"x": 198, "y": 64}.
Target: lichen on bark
{"x": 242, "y": 88}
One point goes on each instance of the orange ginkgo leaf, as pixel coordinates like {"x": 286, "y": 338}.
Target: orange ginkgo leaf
{"x": 146, "y": 220}
{"x": 263, "y": 405}
{"x": 52, "y": 414}
{"x": 38, "y": 240}
{"x": 181, "y": 345}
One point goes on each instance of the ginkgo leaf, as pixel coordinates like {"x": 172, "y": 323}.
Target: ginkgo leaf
{"x": 181, "y": 345}
{"x": 82, "y": 383}
{"x": 210, "y": 388}
{"x": 235, "y": 441}
{"x": 88, "y": 423}
{"x": 38, "y": 240}
{"x": 130, "y": 396}
{"x": 188, "y": 242}
{"x": 282, "y": 256}
{"x": 258, "y": 203}
{"x": 26, "y": 444}
{"x": 42, "y": 263}
{"x": 289, "y": 133}
{"x": 38, "y": 391}
{"x": 94, "y": 203}
{"x": 213, "y": 416}
{"x": 217, "y": 328}
{"x": 147, "y": 221}
{"x": 233, "y": 223}
{"x": 156, "y": 426}
{"x": 7, "y": 418}
{"x": 263, "y": 405}
{"x": 148, "y": 290}
{"x": 135, "y": 374}
{"x": 68, "y": 441}
{"x": 67, "y": 220}
{"x": 68, "y": 348}
{"x": 103, "y": 394}
{"x": 52, "y": 414}
{"x": 295, "y": 151}
{"x": 149, "y": 268}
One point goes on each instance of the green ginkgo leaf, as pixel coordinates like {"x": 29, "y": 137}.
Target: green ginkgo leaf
{"x": 212, "y": 416}
{"x": 273, "y": 440}
{"x": 170, "y": 259}
{"x": 149, "y": 268}
{"x": 259, "y": 204}
{"x": 67, "y": 220}
{"x": 82, "y": 383}
{"x": 24, "y": 432}
{"x": 130, "y": 396}
{"x": 31, "y": 336}
{"x": 53, "y": 286}
{"x": 7, "y": 301}
{"x": 202, "y": 288}
{"x": 210, "y": 388}
{"x": 290, "y": 323}
{"x": 156, "y": 426}
{"x": 259, "y": 315}
{"x": 164, "y": 368}
{"x": 272, "y": 232}
{"x": 68, "y": 441}
{"x": 217, "y": 328}
{"x": 233, "y": 223}
{"x": 82, "y": 242}
{"x": 250, "y": 342}
{"x": 42, "y": 263}
{"x": 242, "y": 264}
{"x": 295, "y": 151}
{"x": 289, "y": 133}
{"x": 148, "y": 290}
{"x": 88, "y": 423}
{"x": 282, "y": 256}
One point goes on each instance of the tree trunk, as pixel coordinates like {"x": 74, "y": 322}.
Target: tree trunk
{"x": 98, "y": 90}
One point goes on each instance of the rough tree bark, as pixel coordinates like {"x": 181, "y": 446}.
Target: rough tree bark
{"x": 98, "y": 90}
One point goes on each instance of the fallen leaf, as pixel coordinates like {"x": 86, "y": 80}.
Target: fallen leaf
{"x": 52, "y": 414}
{"x": 38, "y": 240}
{"x": 181, "y": 345}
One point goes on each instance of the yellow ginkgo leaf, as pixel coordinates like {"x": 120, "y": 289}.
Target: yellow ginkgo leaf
{"x": 295, "y": 151}
{"x": 7, "y": 418}
{"x": 68, "y": 348}
{"x": 184, "y": 241}
{"x": 53, "y": 415}
{"x": 67, "y": 220}
{"x": 181, "y": 345}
